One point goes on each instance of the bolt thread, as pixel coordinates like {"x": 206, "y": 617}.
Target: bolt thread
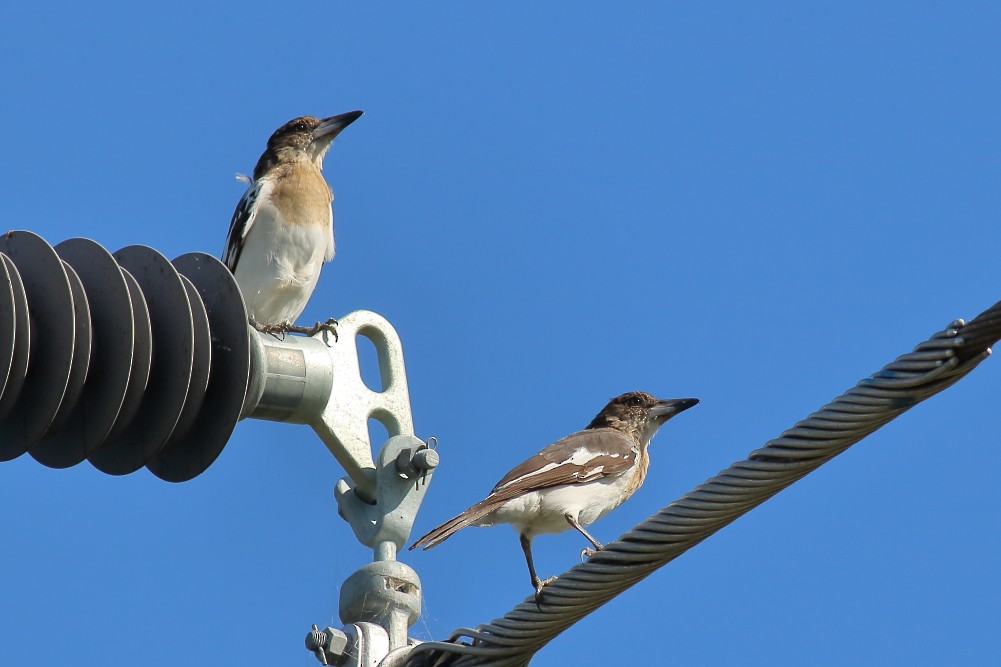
{"x": 316, "y": 639}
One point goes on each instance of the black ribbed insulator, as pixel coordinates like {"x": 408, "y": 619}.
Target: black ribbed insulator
{"x": 125, "y": 359}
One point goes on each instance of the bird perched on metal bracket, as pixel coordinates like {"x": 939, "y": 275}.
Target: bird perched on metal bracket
{"x": 574, "y": 481}
{"x": 283, "y": 227}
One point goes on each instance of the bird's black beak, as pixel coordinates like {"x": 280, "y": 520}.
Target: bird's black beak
{"x": 331, "y": 127}
{"x": 666, "y": 408}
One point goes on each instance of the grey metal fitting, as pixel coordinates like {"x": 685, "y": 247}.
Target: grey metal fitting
{"x": 387, "y": 521}
{"x": 385, "y": 592}
{"x": 306, "y": 381}
{"x": 358, "y": 645}
{"x": 327, "y": 645}
{"x": 368, "y": 644}
{"x": 415, "y": 463}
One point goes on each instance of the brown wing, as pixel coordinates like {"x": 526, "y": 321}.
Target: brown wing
{"x": 580, "y": 457}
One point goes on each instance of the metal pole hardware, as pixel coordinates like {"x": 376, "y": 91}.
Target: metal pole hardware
{"x": 128, "y": 360}
{"x": 317, "y": 382}
{"x": 311, "y": 381}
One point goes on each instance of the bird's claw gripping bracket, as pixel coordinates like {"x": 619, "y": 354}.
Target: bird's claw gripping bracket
{"x": 303, "y": 380}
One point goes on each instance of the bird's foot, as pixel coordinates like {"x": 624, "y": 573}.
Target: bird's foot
{"x": 328, "y": 327}
{"x": 539, "y": 584}
{"x": 587, "y": 552}
{"x": 277, "y": 330}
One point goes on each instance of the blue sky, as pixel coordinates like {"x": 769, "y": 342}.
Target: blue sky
{"x": 754, "y": 205}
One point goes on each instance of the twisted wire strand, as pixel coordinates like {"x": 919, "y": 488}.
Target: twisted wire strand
{"x": 934, "y": 365}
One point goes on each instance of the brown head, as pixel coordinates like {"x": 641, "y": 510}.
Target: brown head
{"x": 639, "y": 414}
{"x": 305, "y": 137}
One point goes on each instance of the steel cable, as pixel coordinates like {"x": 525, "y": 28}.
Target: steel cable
{"x": 934, "y": 365}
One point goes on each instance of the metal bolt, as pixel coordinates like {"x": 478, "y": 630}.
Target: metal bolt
{"x": 413, "y": 464}
{"x": 327, "y": 645}
{"x": 426, "y": 459}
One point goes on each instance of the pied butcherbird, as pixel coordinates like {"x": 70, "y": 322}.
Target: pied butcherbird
{"x": 283, "y": 228}
{"x": 574, "y": 481}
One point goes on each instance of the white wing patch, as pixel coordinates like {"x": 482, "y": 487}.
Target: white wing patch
{"x": 579, "y": 458}
{"x": 243, "y": 220}
{"x": 529, "y": 475}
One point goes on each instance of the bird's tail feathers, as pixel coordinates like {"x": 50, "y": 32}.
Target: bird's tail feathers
{"x": 444, "y": 531}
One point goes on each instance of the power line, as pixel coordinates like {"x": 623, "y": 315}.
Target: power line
{"x": 932, "y": 366}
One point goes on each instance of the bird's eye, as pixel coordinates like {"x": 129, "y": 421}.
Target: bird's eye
{"x": 635, "y": 400}
{"x": 300, "y": 126}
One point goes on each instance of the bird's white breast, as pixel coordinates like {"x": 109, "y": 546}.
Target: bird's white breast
{"x": 545, "y": 510}
{"x": 280, "y": 264}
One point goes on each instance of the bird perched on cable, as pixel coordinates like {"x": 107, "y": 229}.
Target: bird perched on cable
{"x": 574, "y": 481}
{"x": 283, "y": 227}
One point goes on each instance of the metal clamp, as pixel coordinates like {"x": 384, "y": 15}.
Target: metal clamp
{"x": 311, "y": 381}
{"x": 306, "y": 381}
{"x": 404, "y": 471}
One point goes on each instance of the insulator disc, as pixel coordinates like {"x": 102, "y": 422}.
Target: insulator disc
{"x": 142, "y": 357}
{"x": 81, "y": 350}
{"x": 201, "y": 364}
{"x": 112, "y": 355}
{"x": 21, "y": 342}
{"x": 8, "y": 322}
{"x": 173, "y": 338}
{"x": 189, "y": 454}
{"x": 50, "y": 305}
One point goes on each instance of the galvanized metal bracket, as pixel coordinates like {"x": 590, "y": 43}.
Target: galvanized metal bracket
{"x": 368, "y": 643}
{"x": 319, "y": 382}
{"x": 402, "y": 476}
{"x": 384, "y": 592}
